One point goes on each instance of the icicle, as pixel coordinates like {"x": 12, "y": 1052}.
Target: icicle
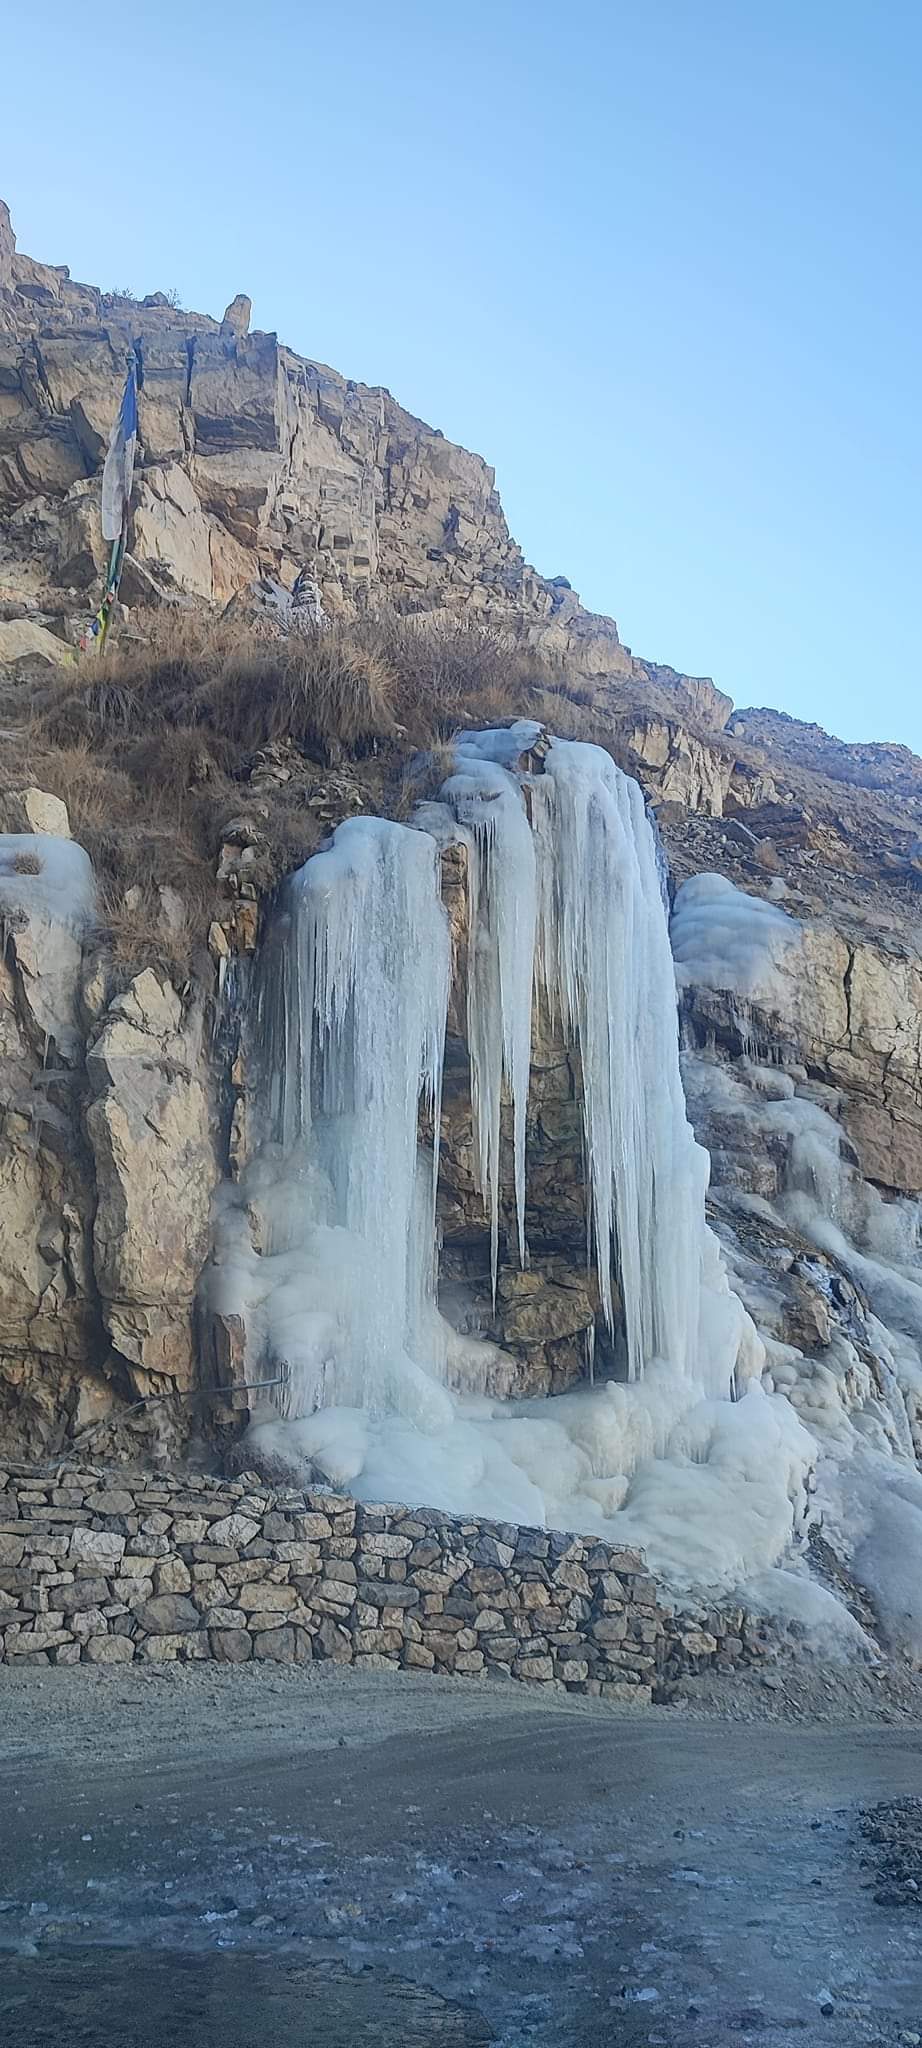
{"x": 352, "y": 1007}
{"x": 662, "y": 864}
{"x": 605, "y": 963}
{"x": 487, "y": 802}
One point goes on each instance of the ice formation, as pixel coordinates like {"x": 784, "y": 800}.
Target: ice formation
{"x": 605, "y": 966}
{"x": 48, "y": 893}
{"x": 860, "y": 1397}
{"x": 43, "y": 876}
{"x": 352, "y": 1025}
{"x": 486, "y": 801}
{"x": 723, "y": 938}
{"x": 327, "y": 1247}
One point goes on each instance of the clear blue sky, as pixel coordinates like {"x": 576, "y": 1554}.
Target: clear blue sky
{"x": 658, "y": 261}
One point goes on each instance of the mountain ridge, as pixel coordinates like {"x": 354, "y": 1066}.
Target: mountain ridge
{"x": 254, "y": 460}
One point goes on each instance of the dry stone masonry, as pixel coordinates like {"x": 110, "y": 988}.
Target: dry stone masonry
{"x": 97, "y": 1568}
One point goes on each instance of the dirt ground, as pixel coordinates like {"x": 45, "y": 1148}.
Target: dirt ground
{"x": 249, "y": 1856}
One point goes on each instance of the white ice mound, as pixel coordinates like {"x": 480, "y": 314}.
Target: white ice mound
{"x": 328, "y": 1248}
{"x": 48, "y": 897}
{"x": 723, "y": 938}
{"x": 44, "y": 876}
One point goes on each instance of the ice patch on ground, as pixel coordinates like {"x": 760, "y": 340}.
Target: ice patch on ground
{"x": 828, "y": 1628}
{"x": 871, "y": 1507}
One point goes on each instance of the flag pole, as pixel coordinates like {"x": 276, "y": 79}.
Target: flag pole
{"x": 93, "y": 638}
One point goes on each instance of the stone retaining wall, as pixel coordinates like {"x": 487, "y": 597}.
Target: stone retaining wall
{"x": 102, "y": 1567}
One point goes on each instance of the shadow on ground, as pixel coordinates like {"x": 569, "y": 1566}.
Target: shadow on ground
{"x": 117, "y": 1999}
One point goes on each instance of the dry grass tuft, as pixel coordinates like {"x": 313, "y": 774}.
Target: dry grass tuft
{"x": 422, "y": 777}
{"x": 338, "y": 693}
{"x": 153, "y": 924}
{"x": 329, "y": 692}
{"x": 151, "y": 744}
{"x": 453, "y": 673}
{"x": 330, "y": 695}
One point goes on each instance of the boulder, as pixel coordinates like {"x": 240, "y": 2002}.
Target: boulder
{"x": 23, "y": 640}
{"x": 108, "y": 1650}
{"x": 231, "y": 1645}
{"x": 100, "y": 1547}
{"x": 168, "y": 1614}
{"x": 34, "y": 810}
{"x": 170, "y": 532}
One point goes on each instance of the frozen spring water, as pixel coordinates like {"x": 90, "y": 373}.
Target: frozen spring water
{"x": 328, "y": 1250}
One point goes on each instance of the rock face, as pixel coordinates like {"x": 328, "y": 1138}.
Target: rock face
{"x": 155, "y": 1170}
{"x": 117, "y": 1130}
{"x": 254, "y": 461}
{"x": 852, "y": 1015}
{"x": 107, "y": 1168}
{"x": 51, "y": 1336}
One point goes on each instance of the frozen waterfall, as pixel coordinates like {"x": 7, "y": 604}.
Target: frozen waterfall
{"x": 487, "y": 804}
{"x": 606, "y": 966}
{"x": 327, "y": 1248}
{"x": 351, "y": 1015}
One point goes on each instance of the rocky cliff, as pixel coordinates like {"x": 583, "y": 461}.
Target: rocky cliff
{"x": 125, "y": 1094}
{"x": 252, "y": 461}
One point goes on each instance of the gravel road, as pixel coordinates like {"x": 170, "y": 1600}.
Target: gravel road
{"x": 229, "y": 1856}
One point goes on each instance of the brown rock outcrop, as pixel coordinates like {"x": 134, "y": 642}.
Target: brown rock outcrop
{"x": 107, "y": 1168}
{"x": 254, "y": 461}
{"x": 155, "y": 1172}
{"x": 51, "y": 1335}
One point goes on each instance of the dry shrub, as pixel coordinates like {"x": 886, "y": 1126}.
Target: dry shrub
{"x": 148, "y": 926}
{"x": 94, "y": 789}
{"x": 151, "y": 743}
{"x": 571, "y": 714}
{"x": 339, "y": 692}
{"x": 330, "y": 692}
{"x": 139, "y": 842}
{"x": 292, "y": 834}
{"x": 422, "y": 777}
{"x": 455, "y": 672}
{"x": 27, "y": 864}
{"x": 327, "y": 692}
{"x": 187, "y": 775}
